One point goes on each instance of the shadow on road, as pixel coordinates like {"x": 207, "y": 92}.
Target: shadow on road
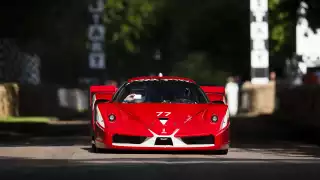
{"x": 269, "y": 133}
{"x": 24, "y": 131}
{"x": 263, "y": 133}
{"x": 158, "y": 169}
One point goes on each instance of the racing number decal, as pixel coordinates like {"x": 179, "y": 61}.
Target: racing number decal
{"x": 165, "y": 113}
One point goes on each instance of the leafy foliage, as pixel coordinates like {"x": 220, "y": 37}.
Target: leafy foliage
{"x": 197, "y": 66}
{"x": 282, "y": 15}
{"x": 129, "y": 18}
{"x": 204, "y": 40}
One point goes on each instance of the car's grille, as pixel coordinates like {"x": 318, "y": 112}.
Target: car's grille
{"x": 128, "y": 139}
{"x": 198, "y": 140}
{"x": 164, "y": 141}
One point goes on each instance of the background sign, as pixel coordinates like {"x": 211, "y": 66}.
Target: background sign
{"x": 96, "y": 35}
{"x": 259, "y": 33}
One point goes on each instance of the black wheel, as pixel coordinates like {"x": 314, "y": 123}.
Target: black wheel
{"x": 221, "y": 152}
{"x": 94, "y": 148}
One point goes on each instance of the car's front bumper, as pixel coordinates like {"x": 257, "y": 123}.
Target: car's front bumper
{"x": 218, "y": 141}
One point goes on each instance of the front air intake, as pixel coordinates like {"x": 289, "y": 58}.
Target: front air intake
{"x": 128, "y": 139}
{"x": 197, "y": 140}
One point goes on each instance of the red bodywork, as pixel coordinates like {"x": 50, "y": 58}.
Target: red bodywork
{"x": 214, "y": 93}
{"x": 141, "y": 126}
{"x": 101, "y": 92}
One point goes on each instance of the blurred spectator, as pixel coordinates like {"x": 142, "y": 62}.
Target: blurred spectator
{"x": 112, "y": 83}
{"x": 273, "y": 81}
{"x": 318, "y": 76}
{"x": 232, "y": 91}
{"x": 310, "y": 78}
{"x": 238, "y": 80}
{"x": 273, "y": 76}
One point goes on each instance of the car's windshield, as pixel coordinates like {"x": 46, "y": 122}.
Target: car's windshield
{"x": 161, "y": 92}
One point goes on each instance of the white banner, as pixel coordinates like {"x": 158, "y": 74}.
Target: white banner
{"x": 258, "y": 45}
{"x": 259, "y": 34}
{"x": 259, "y": 30}
{"x": 259, "y": 5}
{"x": 259, "y": 59}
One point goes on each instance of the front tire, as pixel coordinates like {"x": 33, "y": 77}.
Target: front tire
{"x": 94, "y": 148}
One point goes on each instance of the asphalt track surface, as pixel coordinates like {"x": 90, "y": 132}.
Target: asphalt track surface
{"x": 252, "y": 156}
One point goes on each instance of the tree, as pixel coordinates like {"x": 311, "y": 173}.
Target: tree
{"x": 198, "y": 67}
{"x": 282, "y": 19}
{"x": 128, "y": 19}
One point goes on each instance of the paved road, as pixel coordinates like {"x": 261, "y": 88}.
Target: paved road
{"x": 260, "y": 150}
{"x": 70, "y": 159}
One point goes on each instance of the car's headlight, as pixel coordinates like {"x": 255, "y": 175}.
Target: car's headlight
{"x": 214, "y": 118}
{"x": 112, "y": 117}
{"x": 99, "y": 118}
{"x": 225, "y": 120}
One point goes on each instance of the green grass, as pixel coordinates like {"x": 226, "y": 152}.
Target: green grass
{"x": 25, "y": 120}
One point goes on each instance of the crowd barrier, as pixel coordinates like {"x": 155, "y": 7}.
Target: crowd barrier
{"x": 58, "y": 101}
{"x": 43, "y": 100}
{"x": 298, "y": 104}
{"x": 258, "y": 99}
{"x": 9, "y": 103}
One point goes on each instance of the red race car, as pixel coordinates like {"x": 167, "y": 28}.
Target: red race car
{"x": 159, "y": 113}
